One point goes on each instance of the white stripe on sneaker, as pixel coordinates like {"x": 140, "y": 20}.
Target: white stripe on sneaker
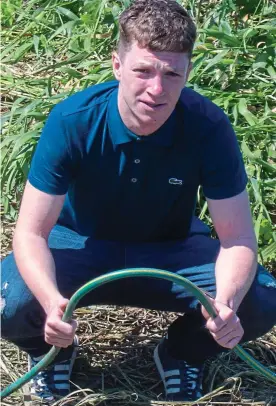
{"x": 62, "y": 386}
{"x": 61, "y": 367}
{"x": 61, "y": 377}
{"x": 172, "y": 372}
{"x": 173, "y": 382}
{"x": 173, "y": 390}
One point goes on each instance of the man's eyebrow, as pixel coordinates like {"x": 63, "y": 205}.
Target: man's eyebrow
{"x": 150, "y": 65}
{"x": 141, "y": 64}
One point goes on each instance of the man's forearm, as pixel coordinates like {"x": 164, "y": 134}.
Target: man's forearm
{"x": 36, "y": 265}
{"x": 235, "y": 271}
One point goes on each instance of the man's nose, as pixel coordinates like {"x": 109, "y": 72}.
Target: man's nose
{"x": 156, "y": 87}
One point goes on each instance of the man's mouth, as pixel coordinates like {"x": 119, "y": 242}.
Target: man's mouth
{"x": 153, "y": 105}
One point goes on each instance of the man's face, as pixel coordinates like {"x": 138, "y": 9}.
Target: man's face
{"x": 150, "y": 86}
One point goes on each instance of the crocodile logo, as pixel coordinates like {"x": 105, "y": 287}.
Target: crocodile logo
{"x": 174, "y": 181}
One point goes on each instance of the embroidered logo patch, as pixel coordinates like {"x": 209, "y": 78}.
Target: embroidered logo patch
{"x": 174, "y": 181}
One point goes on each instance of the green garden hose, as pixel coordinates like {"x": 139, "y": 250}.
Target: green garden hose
{"x": 113, "y": 276}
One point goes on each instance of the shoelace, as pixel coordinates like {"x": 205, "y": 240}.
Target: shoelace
{"x": 192, "y": 381}
{"x": 41, "y": 387}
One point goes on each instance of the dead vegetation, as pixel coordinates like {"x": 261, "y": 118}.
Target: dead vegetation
{"x": 115, "y": 366}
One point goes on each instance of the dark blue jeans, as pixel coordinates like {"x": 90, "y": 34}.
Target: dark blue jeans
{"x": 79, "y": 259}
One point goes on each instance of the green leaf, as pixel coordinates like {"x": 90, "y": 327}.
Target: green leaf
{"x": 36, "y": 41}
{"x": 71, "y": 72}
{"x": 223, "y": 37}
{"x": 272, "y": 73}
{"x": 19, "y": 53}
{"x": 271, "y": 28}
{"x": 258, "y": 223}
{"x": 67, "y": 13}
{"x": 73, "y": 59}
{"x": 269, "y": 252}
{"x": 255, "y": 187}
{"x": 63, "y": 29}
{"x": 269, "y": 167}
{"x": 214, "y": 61}
{"x": 242, "y": 108}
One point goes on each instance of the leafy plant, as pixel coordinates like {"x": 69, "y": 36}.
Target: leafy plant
{"x": 53, "y": 48}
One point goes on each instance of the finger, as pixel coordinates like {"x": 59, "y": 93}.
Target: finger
{"x": 227, "y": 337}
{"x": 229, "y": 328}
{"x": 225, "y": 340}
{"x": 60, "y": 327}
{"x": 225, "y": 316}
{"x": 230, "y": 342}
{"x": 57, "y": 335}
{"x": 59, "y": 342}
{"x": 233, "y": 342}
{"x": 215, "y": 325}
{"x": 63, "y": 304}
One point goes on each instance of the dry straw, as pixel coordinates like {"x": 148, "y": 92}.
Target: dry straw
{"x": 115, "y": 365}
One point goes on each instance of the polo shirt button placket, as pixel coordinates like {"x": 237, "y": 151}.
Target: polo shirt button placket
{"x": 136, "y": 161}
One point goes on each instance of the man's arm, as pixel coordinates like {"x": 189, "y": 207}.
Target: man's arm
{"x": 38, "y": 214}
{"x": 235, "y": 266}
{"x": 237, "y": 261}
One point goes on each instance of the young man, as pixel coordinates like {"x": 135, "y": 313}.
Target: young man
{"x": 113, "y": 185}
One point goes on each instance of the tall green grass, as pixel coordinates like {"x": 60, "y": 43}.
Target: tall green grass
{"x": 53, "y": 48}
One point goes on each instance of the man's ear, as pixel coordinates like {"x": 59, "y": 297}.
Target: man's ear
{"x": 116, "y": 64}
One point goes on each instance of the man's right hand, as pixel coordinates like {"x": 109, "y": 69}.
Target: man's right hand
{"x": 57, "y": 332}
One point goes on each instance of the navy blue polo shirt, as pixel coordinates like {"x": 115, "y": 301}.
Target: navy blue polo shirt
{"x": 123, "y": 187}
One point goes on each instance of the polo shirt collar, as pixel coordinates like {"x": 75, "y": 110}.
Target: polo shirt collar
{"x": 120, "y": 134}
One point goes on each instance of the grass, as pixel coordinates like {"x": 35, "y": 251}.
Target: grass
{"x": 53, "y": 48}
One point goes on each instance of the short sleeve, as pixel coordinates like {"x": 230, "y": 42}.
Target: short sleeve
{"x": 223, "y": 173}
{"x": 52, "y": 164}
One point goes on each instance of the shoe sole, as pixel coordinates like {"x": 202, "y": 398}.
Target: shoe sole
{"x": 159, "y": 367}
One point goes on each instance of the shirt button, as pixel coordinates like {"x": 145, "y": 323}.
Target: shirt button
{"x": 137, "y": 161}
{"x": 134, "y": 180}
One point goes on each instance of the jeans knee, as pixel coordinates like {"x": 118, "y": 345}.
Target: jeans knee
{"x": 258, "y": 314}
{"x": 266, "y": 297}
{"x": 23, "y": 321}
{"x": 21, "y": 314}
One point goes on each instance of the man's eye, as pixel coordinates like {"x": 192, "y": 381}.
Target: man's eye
{"x": 172, "y": 74}
{"x": 142, "y": 70}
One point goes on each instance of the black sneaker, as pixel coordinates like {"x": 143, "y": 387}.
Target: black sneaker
{"x": 53, "y": 382}
{"x": 182, "y": 382}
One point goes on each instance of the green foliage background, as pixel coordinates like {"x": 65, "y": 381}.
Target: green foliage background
{"x": 53, "y": 48}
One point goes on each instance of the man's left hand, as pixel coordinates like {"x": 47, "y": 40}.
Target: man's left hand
{"x": 226, "y": 328}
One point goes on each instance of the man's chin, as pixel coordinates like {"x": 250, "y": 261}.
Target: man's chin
{"x": 150, "y": 123}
